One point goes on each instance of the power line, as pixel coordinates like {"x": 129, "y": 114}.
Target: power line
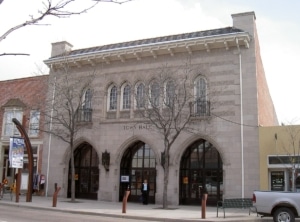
{"x": 227, "y": 120}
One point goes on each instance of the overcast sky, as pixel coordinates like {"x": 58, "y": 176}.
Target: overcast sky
{"x": 278, "y": 24}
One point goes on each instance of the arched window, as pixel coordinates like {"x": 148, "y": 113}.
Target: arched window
{"x": 113, "y": 98}
{"x": 139, "y": 162}
{"x": 85, "y": 112}
{"x": 201, "y": 167}
{"x": 87, "y": 100}
{"x": 201, "y": 105}
{"x": 140, "y": 95}
{"x": 126, "y": 96}
{"x": 170, "y": 93}
{"x": 155, "y": 91}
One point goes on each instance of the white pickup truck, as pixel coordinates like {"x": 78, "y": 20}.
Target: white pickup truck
{"x": 282, "y": 206}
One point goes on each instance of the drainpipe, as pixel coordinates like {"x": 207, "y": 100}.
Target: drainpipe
{"x": 50, "y": 137}
{"x": 242, "y": 119}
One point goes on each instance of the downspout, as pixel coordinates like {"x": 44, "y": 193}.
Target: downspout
{"x": 50, "y": 137}
{"x": 242, "y": 118}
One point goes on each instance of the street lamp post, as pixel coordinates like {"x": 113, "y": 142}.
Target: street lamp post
{"x": 30, "y": 158}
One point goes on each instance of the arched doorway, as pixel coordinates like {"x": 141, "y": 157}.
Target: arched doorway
{"x": 86, "y": 172}
{"x": 138, "y": 163}
{"x": 201, "y": 168}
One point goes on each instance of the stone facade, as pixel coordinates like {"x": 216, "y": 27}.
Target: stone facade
{"x": 228, "y": 59}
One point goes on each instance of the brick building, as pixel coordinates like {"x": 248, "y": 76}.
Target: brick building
{"x": 22, "y": 99}
{"x": 230, "y": 100}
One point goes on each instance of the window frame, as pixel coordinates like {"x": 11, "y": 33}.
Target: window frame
{"x": 139, "y": 105}
{"x": 200, "y": 95}
{"x": 34, "y": 123}
{"x": 12, "y": 126}
{"x": 154, "y": 94}
{"x": 126, "y": 99}
{"x": 168, "y": 100}
{"x": 112, "y": 102}
{"x": 87, "y": 99}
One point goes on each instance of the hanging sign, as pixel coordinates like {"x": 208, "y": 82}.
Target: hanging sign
{"x": 16, "y": 152}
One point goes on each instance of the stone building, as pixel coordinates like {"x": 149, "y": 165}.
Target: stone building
{"x": 231, "y": 99}
{"x": 22, "y": 99}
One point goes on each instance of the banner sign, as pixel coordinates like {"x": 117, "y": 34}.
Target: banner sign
{"x": 16, "y": 152}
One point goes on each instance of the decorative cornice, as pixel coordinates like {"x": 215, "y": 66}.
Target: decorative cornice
{"x": 155, "y": 49}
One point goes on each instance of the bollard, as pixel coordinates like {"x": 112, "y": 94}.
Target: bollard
{"x": 1, "y": 190}
{"x": 125, "y": 197}
{"x": 203, "y": 206}
{"x": 54, "y": 200}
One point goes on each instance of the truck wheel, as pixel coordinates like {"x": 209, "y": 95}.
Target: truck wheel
{"x": 284, "y": 215}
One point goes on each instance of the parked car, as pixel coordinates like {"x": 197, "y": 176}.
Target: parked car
{"x": 281, "y": 205}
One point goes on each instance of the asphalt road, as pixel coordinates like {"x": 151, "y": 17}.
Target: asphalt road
{"x": 19, "y": 214}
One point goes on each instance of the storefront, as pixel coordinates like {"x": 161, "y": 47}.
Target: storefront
{"x": 281, "y": 170}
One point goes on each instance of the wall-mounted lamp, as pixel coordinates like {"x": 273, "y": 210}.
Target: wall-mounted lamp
{"x": 106, "y": 160}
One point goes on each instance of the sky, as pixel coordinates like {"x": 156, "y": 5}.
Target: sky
{"x": 278, "y": 25}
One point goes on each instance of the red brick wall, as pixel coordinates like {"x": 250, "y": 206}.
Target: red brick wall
{"x": 266, "y": 111}
{"x": 32, "y": 92}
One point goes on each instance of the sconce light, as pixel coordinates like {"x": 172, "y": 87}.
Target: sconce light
{"x": 106, "y": 160}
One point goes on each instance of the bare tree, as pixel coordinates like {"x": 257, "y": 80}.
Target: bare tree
{"x": 291, "y": 148}
{"x": 169, "y": 105}
{"x": 69, "y": 109}
{"x": 60, "y": 9}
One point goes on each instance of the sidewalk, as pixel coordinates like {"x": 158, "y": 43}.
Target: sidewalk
{"x": 151, "y": 212}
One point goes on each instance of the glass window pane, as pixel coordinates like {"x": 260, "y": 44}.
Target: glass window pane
{"x": 9, "y": 127}
{"x": 140, "y": 96}
{"x": 200, "y": 94}
{"x": 126, "y": 97}
{"x": 146, "y": 162}
{"x": 88, "y": 99}
{"x": 134, "y": 162}
{"x": 34, "y": 123}
{"x": 140, "y": 163}
{"x": 113, "y": 98}
{"x": 155, "y": 94}
{"x": 170, "y": 93}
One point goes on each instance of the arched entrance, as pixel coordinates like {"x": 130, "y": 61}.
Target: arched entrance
{"x": 86, "y": 172}
{"x": 138, "y": 163}
{"x": 201, "y": 168}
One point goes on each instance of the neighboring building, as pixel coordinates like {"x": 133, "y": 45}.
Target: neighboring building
{"x": 222, "y": 156}
{"x": 21, "y": 99}
{"x": 279, "y": 157}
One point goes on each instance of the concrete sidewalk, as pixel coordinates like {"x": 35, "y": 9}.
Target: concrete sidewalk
{"x": 151, "y": 212}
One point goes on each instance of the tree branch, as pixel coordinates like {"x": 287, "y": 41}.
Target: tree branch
{"x": 14, "y": 54}
{"x": 58, "y": 10}
{"x": 113, "y": 1}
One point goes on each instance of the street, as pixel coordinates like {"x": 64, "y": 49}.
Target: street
{"x": 20, "y": 214}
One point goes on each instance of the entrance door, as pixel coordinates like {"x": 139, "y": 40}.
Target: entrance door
{"x": 277, "y": 180}
{"x": 138, "y": 163}
{"x": 201, "y": 171}
{"x": 86, "y": 173}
